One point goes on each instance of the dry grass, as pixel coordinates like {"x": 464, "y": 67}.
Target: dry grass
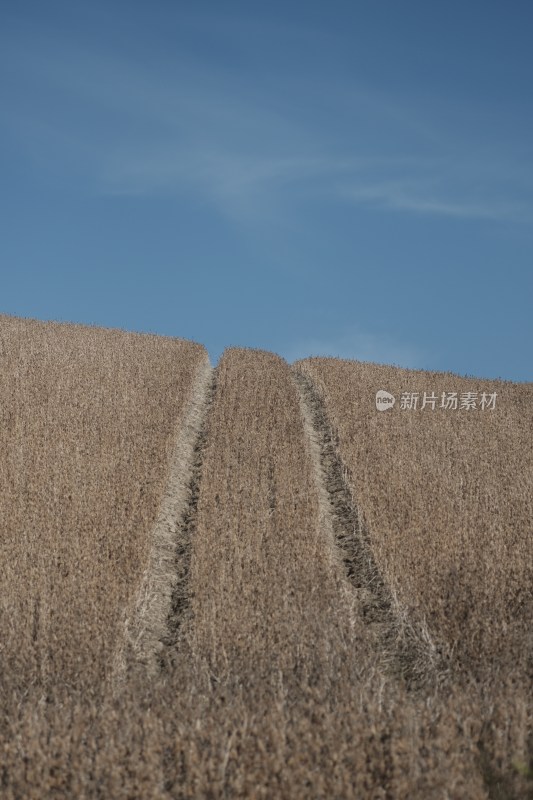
{"x": 272, "y": 677}
{"x": 88, "y": 420}
{"x": 260, "y": 552}
{"x": 447, "y": 497}
{"x": 446, "y": 500}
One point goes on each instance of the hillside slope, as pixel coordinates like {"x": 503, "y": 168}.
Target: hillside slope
{"x": 444, "y": 500}
{"x": 446, "y": 495}
{"x": 88, "y": 420}
{"x": 223, "y": 583}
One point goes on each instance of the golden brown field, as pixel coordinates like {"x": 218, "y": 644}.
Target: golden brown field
{"x": 247, "y": 582}
{"x": 88, "y": 419}
{"x": 446, "y": 497}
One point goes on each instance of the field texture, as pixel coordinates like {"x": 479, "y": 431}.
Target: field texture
{"x": 446, "y": 498}
{"x": 202, "y": 601}
{"x": 88, "y": 423}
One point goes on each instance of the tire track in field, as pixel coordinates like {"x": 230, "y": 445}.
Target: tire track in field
{"x": 161, "y": 602}
{"x": 178, "y": 610}
{"x": 405, "y": 649}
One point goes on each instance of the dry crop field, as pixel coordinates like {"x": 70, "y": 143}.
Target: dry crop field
{"x": 246, "y": 582}
{"x": 445, "y": 495}
{"x": 87, "y": 421}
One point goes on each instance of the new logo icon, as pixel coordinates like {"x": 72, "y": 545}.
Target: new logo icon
{"x": 384, "y": 400}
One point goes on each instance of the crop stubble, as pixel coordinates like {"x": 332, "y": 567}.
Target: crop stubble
{"x": 274, "y": 686}
{"x": 446, "y": 498}
{"x": 88, "y": 419}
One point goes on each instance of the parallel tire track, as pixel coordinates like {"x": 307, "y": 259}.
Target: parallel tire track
{"x": 405, "y": 648}
{"x": 161, "y": 600}
{"x": 178, "y": 611}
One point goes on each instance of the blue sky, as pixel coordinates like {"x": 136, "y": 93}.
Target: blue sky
{"x": 351, "y": 179}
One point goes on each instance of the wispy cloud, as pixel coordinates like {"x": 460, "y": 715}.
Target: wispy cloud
{"x": 191, "y": 129}
{"x": 410, "y": 196}
{"x": 245, "y": 186}
{"x": 359, "y": 346}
